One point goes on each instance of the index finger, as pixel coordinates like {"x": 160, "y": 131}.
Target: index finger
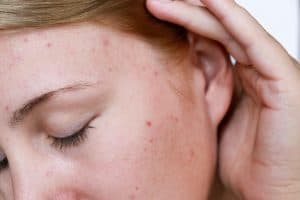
{"x": 198, "y": 20}
{"x": 264, "y": 52}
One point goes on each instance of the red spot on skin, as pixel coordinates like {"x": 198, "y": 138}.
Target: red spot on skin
{"x": 149, "y": 123}
{"x": 106, "y": 42}
{"x": 132, "y": 197}
{"x": 151, "y": 141}
{"x": 174, "y": 118}
{"x": 49, "y": 173}
{"x": 137, "y": 188}
{"x": 25, "y": 40}
{"x": 192, "y": 154}
{"x": 110, "y": 69}
{"x": 155, "y": 73}
{"x": 49, "y": 44}
{"x": 6, "y": 108}
{"x": 145, "y": 149}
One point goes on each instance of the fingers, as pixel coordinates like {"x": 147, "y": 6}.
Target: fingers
{"x": 264, "y": 52}
{"x": 198, "y": 20}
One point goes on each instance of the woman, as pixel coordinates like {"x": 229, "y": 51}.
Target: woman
{"x": 102, "y": 101}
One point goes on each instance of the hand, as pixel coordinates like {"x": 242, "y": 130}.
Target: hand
{"x": 259, "y": 153}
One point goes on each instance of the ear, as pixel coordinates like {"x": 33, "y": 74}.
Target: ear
{"x": 213, "y": 61}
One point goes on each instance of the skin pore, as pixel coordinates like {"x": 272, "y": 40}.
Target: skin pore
{"x": 148, "y": 134}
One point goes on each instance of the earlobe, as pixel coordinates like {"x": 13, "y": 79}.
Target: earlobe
{"x": 213, "y": 61}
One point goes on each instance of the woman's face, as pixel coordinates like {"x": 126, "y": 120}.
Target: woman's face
{"x": 90, "y": 113}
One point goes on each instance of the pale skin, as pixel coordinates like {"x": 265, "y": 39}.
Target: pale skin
{"x": 152, "y": 130}
{"x": 153, "y": 122}
{"x": 260, "y": 143}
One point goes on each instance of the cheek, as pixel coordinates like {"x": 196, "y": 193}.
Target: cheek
{"x": 139, "y": 155}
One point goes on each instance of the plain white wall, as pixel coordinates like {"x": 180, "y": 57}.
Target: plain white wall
{"x": 280, "y": 18}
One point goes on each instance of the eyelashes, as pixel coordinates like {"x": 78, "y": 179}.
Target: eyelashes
{"x": 73, "y": 140}
{"x": 61, "y": 143}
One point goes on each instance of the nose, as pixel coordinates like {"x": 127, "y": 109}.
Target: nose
{"x": 27, "y": 179}
{"x": 35, "y": 177}
{"x": 32, "y": 182}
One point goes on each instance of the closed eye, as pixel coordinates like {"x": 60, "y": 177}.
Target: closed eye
{"x": 73, "y": 140}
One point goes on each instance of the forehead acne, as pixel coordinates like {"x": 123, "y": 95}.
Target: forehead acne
{"x": 49, "y": 45}
{"x": 105, "y": 42}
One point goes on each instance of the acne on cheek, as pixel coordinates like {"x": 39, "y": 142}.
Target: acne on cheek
{"x": 149, "y": 124}
{"x": 174, "y": 120}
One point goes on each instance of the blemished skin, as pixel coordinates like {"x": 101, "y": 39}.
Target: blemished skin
{"x": 150, "y": 135}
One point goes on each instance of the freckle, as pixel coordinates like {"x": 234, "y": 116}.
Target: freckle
{"x": 149, "y": 123}
{"x": 110, "y": 69}
{"x": 145, "y": 149}
{"x": 6, "y": 108}
{"x": 25, "y": 39}
{"x": 137, "y": 188}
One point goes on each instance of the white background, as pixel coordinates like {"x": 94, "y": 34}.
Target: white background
{"x": 280, "y": 18}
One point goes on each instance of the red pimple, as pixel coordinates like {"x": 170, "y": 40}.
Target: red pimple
{"x": 49, "y": 173}
{"x": 174, "y": 118}
{"x": 132, "y": 197}
{"x": 149, "y": 123}
{"x": 106, "y": 42}
{"x": 192, "y": 154}
{"x": 137, "y": 188}
{"x": 6, "y": 108}
{"x": 155, "y": 73}
{"x": 151, "y": 141}
{"x": 25, "y": 39}
{"x": 49, "y": 44}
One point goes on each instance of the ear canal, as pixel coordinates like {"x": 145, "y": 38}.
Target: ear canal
{"x": 211, "y": 57}
{"x": 213, "y": 60}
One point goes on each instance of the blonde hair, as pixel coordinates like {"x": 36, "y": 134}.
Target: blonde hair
{"x": 126, "y": 15}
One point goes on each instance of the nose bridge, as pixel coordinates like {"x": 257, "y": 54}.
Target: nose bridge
{"x": 27, "y": 176}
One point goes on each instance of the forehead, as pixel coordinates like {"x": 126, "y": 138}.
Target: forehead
{"x": 35, "y": 61}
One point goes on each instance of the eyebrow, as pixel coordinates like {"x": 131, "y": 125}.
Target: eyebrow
{"x": 20, "y": 114}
